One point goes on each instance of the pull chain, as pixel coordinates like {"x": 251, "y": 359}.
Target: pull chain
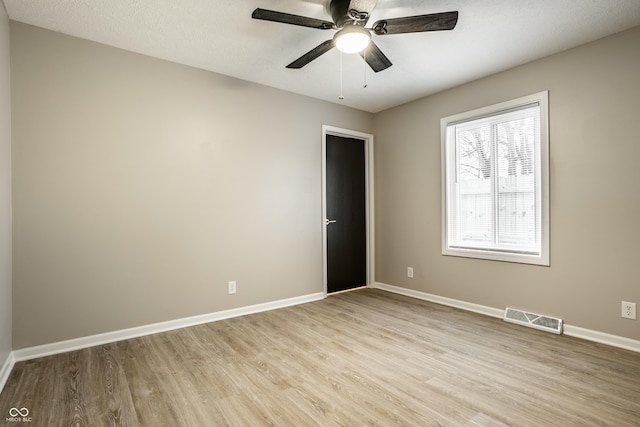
{"x": 364, "y": 56}
{"x": 341, "y": 96}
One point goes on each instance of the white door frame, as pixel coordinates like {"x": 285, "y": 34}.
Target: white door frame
{"x": 369, "y": 202}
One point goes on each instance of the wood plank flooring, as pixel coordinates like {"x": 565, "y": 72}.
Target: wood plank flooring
{"x": 361, "y": 358}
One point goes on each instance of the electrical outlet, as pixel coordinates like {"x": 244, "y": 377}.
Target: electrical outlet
{"x": 629, "y": 310}
{"x": 231, "y": 287}
{"x": 410, "y": 272}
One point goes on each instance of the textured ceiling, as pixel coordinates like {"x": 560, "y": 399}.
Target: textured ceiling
{"x": 219, "y": 35}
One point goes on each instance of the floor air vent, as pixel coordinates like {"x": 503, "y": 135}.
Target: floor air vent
{"x": 537, "y": 321}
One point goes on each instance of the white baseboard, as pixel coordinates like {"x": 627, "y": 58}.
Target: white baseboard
{"x": 5, "y": 370}
{"x": 602, "y": 338}
{"x": 109, "y": 337}
{"x": 573, "y": 331}
{"x": 476, "y": 308}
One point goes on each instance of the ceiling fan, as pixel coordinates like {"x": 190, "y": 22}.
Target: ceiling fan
{"x": 349, "y": 18}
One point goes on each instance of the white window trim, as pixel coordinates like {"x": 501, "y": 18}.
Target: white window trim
{"x": 542, "y": 98}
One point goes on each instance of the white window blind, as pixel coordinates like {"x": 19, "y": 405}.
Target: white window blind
{"x": 493, "y": 182}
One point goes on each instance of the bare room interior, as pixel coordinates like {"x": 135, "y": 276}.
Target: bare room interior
{"x": 215, "y": 213}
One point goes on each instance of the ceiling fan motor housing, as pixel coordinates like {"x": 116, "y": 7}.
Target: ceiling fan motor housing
{"x": 341, "y": 14}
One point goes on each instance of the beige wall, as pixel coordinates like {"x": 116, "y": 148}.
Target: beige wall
{"x": 141, "y": 187}
{"x": 5, "y": 190}
{"x": 594, "y": 101}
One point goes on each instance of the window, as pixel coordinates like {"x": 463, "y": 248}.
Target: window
{"x": 495, "y": 166}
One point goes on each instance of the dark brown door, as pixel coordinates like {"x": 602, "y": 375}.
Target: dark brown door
{"x": 346, "y": 213}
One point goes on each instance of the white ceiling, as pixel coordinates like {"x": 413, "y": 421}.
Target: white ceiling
{"x": 220, "y": 36}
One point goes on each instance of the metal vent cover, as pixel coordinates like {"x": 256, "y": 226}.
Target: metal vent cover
{"x": 532, "y": 320}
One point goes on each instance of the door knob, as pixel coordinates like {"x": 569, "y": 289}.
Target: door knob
{"x": 329, "y": 221}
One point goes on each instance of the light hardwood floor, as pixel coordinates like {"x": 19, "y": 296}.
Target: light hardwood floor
{"x": 361, "y": 358}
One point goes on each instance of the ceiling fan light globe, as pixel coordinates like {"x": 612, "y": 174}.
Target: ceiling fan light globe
{"x": 352, "y": 39}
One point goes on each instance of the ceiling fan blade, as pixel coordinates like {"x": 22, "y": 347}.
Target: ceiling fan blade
{"x": 287, "y": 18}
{"x": 312, "y": 54}
{"x": 375, "y": 58}
{"x": 417, "y": 24}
